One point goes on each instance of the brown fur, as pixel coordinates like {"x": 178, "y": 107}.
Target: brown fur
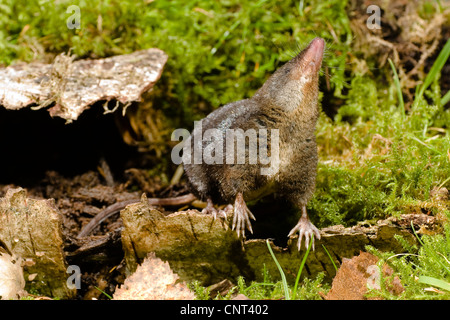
{"x": 281, "y": 104}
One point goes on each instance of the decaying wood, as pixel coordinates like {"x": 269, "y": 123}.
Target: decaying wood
{"x": 196, "y": 245}
{"x": 72, "y": 86}
{"x": 31, "y": 229}
{"x": 199, "y": 247}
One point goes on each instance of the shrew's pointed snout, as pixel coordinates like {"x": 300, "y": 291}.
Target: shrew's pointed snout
{"x": 309, "y": 60}
{"x": 314, "y": 54}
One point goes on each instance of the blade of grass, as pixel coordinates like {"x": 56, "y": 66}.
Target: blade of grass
{"x": 440, "y": 6}
{"x": 442, "y": 184}
{"x": 446, "y": 98}
{"x": 224, "y": 37}
{"x": 331, "y": 259}
{"x": 300, "y": 8}
{"x": 300, "y": 269}
{"x": 424, "y": 144}
{"x": 107, "y": 295}
{"x": 431, "y": 253}
{"x": 434, "y": 282}
{"x": 399, "y": 89}
{"x": 283, "y": 276}
{"x": 434, "y": 71}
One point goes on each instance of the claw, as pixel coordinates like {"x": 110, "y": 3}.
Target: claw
{"x": 305, "y": 229}
{"x": 241, "y": 217}
{"x": 241, "y": 214}
{"x": 209, "y": 209}
{"x": 227, "y": 210}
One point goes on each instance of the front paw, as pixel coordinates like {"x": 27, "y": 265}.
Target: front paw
{"x": 307, "y": 230}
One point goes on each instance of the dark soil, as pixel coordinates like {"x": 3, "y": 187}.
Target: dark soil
{"x": 85, "y": 167}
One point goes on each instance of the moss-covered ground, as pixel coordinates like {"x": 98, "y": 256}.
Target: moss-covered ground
{"x": 384, "y": 145}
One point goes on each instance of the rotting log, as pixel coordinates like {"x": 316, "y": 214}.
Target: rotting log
{"x": 340, "y": 243}
{"x": 199, "y": 247}
{"x": 32, "y": 230}
{"x": 72, "y": 86}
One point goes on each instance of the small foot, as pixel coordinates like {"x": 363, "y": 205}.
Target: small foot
{"x": 305, "y": 229}
{"x": 209, "y": 209}
{"x": 241, "y": 217}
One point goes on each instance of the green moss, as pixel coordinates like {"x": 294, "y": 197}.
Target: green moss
{"x": 372, "y": 156}
{"x": 361, "y": 101}
{"x": 218, "y": 51}
{"x": 401, "y": 167}
{"x": 376, "y": 159}
{"x": 424, "y": 272}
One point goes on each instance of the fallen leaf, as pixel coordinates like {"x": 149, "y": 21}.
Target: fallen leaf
{"x": 359, "y": 274}
{"x": 153, "y": 280}
{"x": 12, "y": 282}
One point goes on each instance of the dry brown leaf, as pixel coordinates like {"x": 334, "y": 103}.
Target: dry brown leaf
{"x": 357, "y": 275}
{"x": 153, "y": 280}
{"x": 12, "y": 282}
